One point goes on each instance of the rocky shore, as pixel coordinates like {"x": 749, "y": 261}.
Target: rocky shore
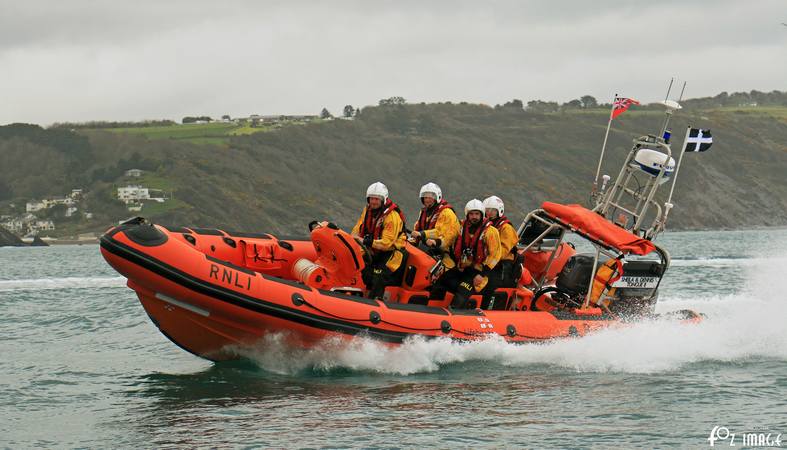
{"x": 9, "y": 239}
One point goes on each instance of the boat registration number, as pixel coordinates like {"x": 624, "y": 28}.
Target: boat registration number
{"x": 636, "y": 282}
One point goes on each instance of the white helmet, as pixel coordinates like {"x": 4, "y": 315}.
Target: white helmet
{"x": 474, "y": 205}
{"x": 377, "y": 190}
{"x": 433, "y": 189}
{"x": 494, "y": 202}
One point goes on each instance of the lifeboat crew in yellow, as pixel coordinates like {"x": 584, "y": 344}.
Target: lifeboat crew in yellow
{"x": 380, "y": 229}
{"x": 437, "y": 226}
{"x": 475, "y": 254}
{"x": 505, "y": 273}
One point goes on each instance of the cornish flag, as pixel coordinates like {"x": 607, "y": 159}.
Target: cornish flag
{"x": 621, "y": 105}
{"x": 698, "y": 140}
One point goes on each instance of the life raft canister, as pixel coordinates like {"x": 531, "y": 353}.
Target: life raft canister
{"x": 607, "y": 273}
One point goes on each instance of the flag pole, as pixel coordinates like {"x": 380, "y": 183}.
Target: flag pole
{"x": 677, "y": 168}
{"x": 604, "y": 145}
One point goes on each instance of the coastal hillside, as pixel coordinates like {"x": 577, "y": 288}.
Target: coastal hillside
{"x": 279, "y": 180}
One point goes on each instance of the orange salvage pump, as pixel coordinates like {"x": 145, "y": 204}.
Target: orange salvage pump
{"x": 339, "y": 260}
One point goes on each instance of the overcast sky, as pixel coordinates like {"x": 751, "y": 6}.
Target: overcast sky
{"x": 81, "y": 60}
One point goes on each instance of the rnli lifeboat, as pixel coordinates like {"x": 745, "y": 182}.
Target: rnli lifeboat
{"x": 213, "y": 292}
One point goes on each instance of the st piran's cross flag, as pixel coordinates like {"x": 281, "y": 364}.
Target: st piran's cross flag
{"x": 699, "y": 140}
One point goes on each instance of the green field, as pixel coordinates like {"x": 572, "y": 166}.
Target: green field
{"x": 151, "y": 208}
{"x": 778, "y": 112}
{"x": 198, "y": 133}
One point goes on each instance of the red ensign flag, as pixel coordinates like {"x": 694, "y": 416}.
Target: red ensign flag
{"x": 621, "y": 105}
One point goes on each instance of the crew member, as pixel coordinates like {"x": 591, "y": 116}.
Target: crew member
{"x": 437, "y": 225}
{"x": 505, "y": 273}
{"x": 476, "y": 252}
{"x": 380, "y": 229}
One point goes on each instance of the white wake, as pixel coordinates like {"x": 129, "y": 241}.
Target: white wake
{"x": 738, "y": 327}
{"x": 35, "y": 284}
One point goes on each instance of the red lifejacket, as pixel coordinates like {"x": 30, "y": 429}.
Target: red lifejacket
{"x": 427, "y": 222}
{"x": 472, "y": 241}
{"x": 373, "y": 219}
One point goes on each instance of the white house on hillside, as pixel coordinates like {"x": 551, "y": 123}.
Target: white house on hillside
{"x": 133, "y": 194}
{"x": 134, "y": 173}
{"x": 15, "y": 225}
{"x": 41, "y": 225}
{"x": 35, "y": 206}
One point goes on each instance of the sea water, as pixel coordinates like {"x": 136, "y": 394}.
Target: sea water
{"x": 82, "y": 366}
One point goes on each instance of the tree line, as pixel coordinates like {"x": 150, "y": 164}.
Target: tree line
{"x": 102, "y": 124}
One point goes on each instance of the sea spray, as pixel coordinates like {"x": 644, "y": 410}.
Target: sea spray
{"x": 737, "y": 327}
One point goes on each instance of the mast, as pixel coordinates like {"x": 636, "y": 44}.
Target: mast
{"x": 669, "y": 113}
{"x": 604, "y": 145}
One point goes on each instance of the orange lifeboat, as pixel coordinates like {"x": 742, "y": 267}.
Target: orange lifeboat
{"x": 213, "y": 292}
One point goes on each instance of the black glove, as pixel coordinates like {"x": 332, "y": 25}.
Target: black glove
{"x": 367, "y": 241}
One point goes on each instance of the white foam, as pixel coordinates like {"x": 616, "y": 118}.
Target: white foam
{"x": 738, "y": 327}
{"x": 715, "y": 262}
{"x": 39, "y": 284}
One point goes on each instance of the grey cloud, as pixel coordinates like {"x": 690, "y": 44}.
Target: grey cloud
{"x": 85, "y": 60}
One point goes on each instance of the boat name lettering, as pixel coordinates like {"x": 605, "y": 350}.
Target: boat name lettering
{"x": 229, "y": 276}
{"x": 636, "y": 282}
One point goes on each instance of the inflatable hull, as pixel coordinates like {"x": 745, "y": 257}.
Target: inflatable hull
{"x": 197, "y": 288}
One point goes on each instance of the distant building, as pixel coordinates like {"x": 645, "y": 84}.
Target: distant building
{"x": 76, "y": 193}
{"x": 15, "y": 225}
{"x": 70, "y": 211}
{"x": 304, "y": 118}
{"x": 257, "y": 119}
{"x": 134, "y": 173}
{"x": 35, "y": 206}
{"x": 68, "y": 201}
{"x": 42, "y": 225}
{"x": 133, "y": 194}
